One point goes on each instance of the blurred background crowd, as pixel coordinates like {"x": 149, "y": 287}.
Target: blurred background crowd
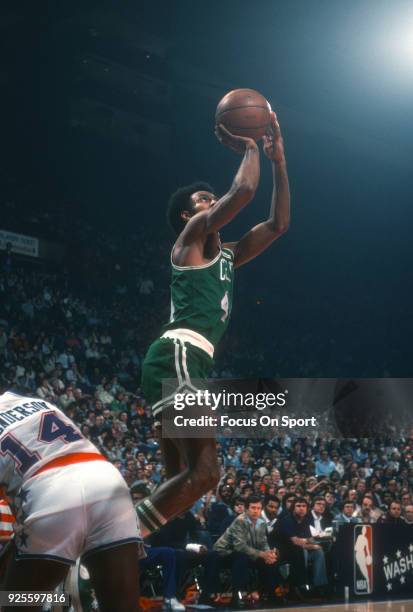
{"x": 77, "y": 339}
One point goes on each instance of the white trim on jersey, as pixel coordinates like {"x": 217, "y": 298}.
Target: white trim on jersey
{"x": 183, "y": 334}
{"x": 202, "y": 267}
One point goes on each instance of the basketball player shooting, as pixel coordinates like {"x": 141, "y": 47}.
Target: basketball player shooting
{"x": 201, "y": 301}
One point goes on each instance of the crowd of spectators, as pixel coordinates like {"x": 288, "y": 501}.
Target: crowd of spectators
{"x": 77, "y": 337}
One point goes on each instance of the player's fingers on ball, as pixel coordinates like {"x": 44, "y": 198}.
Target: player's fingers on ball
{"x": 224, "y": 130}
{"x": 219, "y": 134}
{"x": 268, "y": 130}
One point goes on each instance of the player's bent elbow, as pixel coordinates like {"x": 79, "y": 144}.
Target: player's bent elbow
{"x": 283, "y": 228}
{"x": 279, "y": 228}
{"x": 245, "y": 192}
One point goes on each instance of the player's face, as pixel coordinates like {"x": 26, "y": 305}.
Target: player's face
{"x": 202, "y": 200}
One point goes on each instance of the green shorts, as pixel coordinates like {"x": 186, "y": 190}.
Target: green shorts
{"x": 169, "y": 366}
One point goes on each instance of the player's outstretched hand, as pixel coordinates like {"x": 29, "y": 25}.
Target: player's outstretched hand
{"x": 237, "y": 143}
{"x": 273, "y": 141}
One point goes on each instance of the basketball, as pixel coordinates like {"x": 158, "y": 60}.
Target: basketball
{"x": 244, "y": 112}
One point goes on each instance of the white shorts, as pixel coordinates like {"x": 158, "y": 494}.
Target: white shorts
{"x": 75, "y": 510}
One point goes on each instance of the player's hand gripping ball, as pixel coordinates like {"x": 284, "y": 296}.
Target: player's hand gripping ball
{"x": 244, "y": 112}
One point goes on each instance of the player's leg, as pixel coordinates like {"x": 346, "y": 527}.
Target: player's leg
{"x": 33, "y": 575}
{"x": 199, "y": 474}
{"x": 172, "y": 457}
{"x": 191, "y": 462}
{"x": 46, "y": 534}
{"x": 114, "y": 573}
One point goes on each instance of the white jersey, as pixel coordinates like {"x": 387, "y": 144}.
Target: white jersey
{"x": 33, "y": 432}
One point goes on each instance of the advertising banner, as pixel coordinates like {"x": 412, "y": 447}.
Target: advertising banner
{"x": 21, "y": 244}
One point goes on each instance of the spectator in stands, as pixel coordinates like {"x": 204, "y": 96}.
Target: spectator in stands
{"x": 287, "y": 504}
{"x": 324, "y": 466}
{"x": 239, "y": 506}
{"x": 408, "y": 514}
{"x": 231, "y": 458}
{"x": 246, "y": 491}
{"x": 332, "y": 508}
{"x": 393, "y": 515}
{"x": 245, "y": 543}
{"x": 377, "y": 494}
{"x": 298, "y": 548}
{"x": 270, "y": 511}
{"x": 338, "y": 465}
{"x": 368, "y": 513}
{"x": 165, "y": 557}
{"x": 347, "y": 513}
{"x": 406, "y": 499}
{"x": 220, "y": 511}
{"x": 318, "y": 519}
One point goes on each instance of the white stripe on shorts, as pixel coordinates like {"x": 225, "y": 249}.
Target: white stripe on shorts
{"x": 177, "y": 368}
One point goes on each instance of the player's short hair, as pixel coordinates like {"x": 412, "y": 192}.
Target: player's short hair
{"x": 180, "y": 201}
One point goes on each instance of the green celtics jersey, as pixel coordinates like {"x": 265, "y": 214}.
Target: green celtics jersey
{"x": 201, "y": 296}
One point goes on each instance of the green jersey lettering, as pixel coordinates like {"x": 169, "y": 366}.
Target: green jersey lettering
{"x": 201, "y": 297}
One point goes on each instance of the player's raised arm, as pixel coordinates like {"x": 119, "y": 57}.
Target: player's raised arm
{"x": 262, "y": 235}
{"x": 242, "y": 189}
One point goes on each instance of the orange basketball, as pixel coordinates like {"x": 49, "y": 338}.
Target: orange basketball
{"x": 244, "y": 112}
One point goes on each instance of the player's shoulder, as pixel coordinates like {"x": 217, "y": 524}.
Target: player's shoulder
{"x": 228, "y": 250}
{"x": 9, "y": 399}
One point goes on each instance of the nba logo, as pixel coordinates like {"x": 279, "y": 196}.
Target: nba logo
{"x": 363, "y": 559}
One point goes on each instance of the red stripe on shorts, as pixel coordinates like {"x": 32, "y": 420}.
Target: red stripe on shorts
{"x": 69, "y": 459}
